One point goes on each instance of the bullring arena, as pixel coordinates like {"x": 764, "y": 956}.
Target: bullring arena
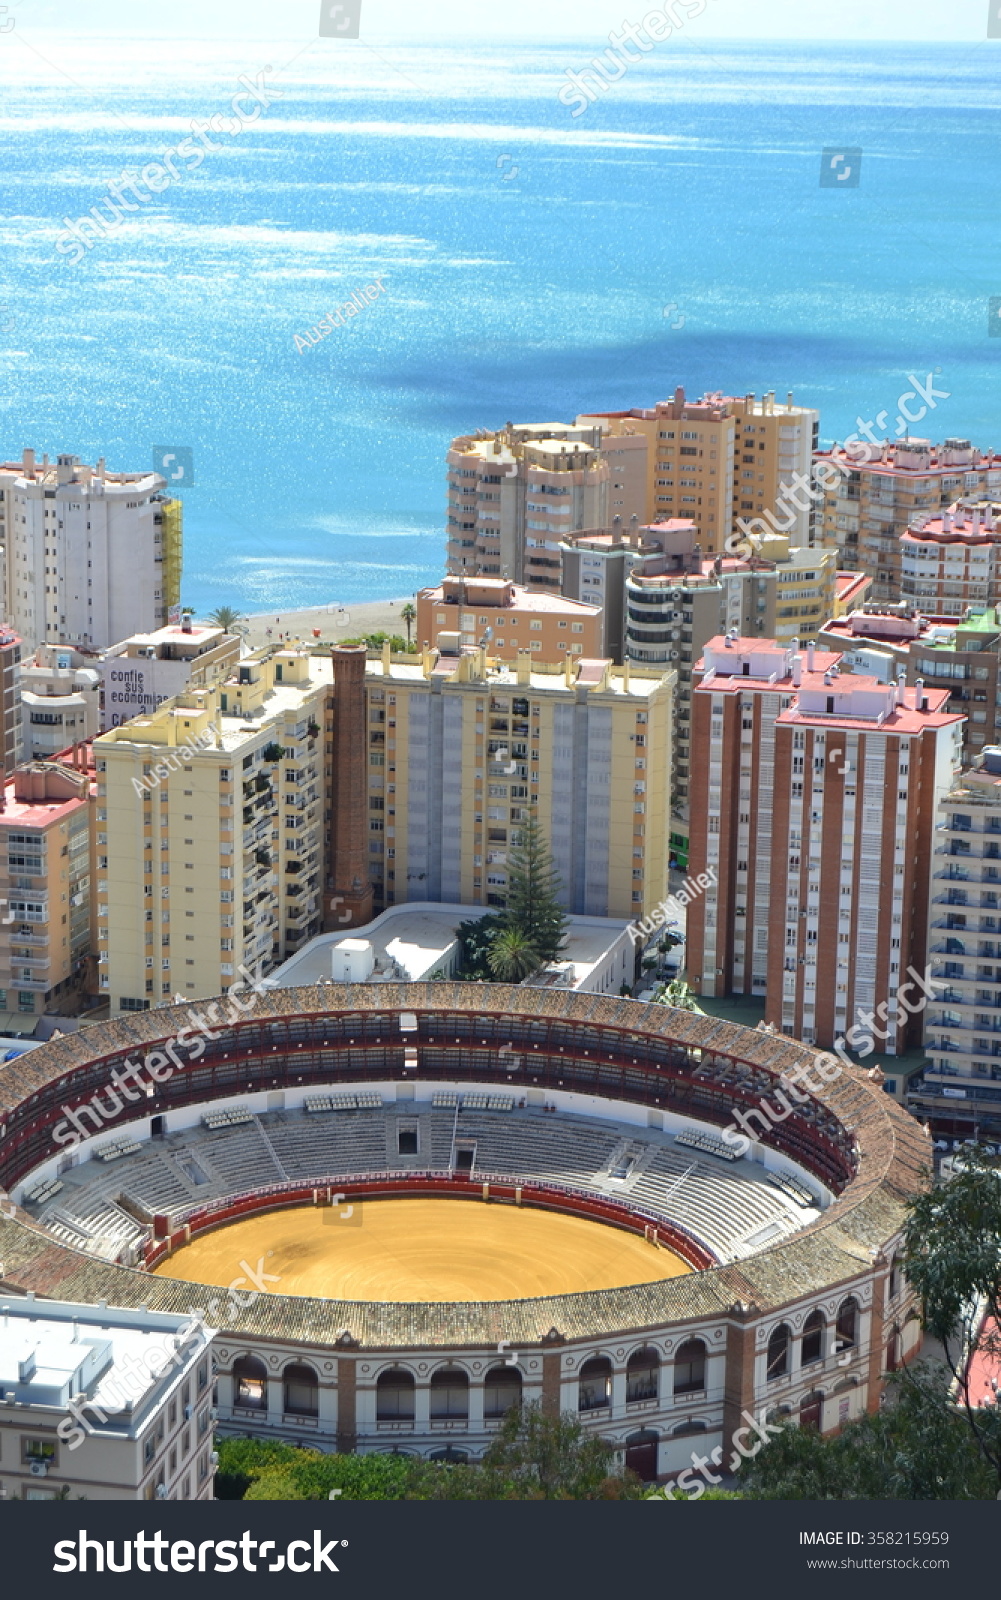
{"x": 404, "y": 1213}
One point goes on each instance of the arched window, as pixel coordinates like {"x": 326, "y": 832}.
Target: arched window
{"x": 501, "y": 1391}
{"x": 643, "y": 1374}
{"x": 641, "y": 1454}
{"x": 394, "y": 1396}
{"x": 778, "y": 1352}
{"x": 450, "y": 1453}
{"x": 690, "y": 1425}
{"x": 893, "y": 1349}
{"x": 449, "y": 1394}
{"x": 301, "y": 1392}
{"x": 595, "y": 1389}
{"x": 250, "y": 1383}
{"x": 690, "y": 1367}
{"x": 813, "y": 1339}
{"x": 846, "y": 1335}
{"x": 894, "y": 1285}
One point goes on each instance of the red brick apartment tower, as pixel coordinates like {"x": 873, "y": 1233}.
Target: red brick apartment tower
{"x": 813, "y": 799}
{"x": 859, "y": 768}
{"x": 347, "y": 900}
{"x": 741, "y": 687}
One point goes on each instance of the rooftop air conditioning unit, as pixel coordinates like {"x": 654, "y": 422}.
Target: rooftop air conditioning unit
{"x": 39, "y": 1469}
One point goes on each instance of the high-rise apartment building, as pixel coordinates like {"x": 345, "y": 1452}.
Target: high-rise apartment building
{"x": 46, "y": 929}
{"x": 92, "y": 556}
{"x": 952, "y": 561}
{"x": 210, "y": 831}
{"x": 10, "y": 704}
{"x": 509, "y": 617}
{"x": 875, "y": 501}
{"x": 514, "y": 495}
{"x": 813, "y": 799}
{"x": 960, "y": 1089}
{"x": 962, "y": 655}
{"x": 719, "y": 460}
{"x": 460, "y": 747}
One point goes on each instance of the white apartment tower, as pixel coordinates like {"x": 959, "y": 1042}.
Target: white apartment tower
{"x": 92, "y": 556}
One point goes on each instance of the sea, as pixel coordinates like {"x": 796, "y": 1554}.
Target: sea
{"x": 535, "y": 264}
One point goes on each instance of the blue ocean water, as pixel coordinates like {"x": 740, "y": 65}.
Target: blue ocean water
{"x": 528, "y": 258}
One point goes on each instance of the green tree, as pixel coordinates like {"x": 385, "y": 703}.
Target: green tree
{"x": 533, "y": 892}
{"x": 408, "y": 615}
{"x": 512, "y": 956}
{"x": 225, "y": 617}
{"x": 952, "y": 1259}
{"x": 475, "y": 938}
{"x": 538, "y": 1457}
{"x": 917, "y": 1447}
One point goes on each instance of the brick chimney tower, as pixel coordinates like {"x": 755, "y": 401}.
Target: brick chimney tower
{"x": 348, "y": 902}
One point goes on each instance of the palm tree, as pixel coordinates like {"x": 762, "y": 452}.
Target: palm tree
{"x": 512, "y": 955}
{"x": 225, "y": 617}
{"x": 409, "y": 615}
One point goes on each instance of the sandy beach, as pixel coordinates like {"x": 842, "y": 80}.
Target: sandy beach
{"x": 329, "y": 624}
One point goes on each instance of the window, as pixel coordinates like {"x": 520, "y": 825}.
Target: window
{"x": 449, "y": 1394}
{"x": 42, "y": 1450}
{"x": 643, "y": 1374}
{"x": 690, "y": 1367}
{"x": 501, "y": 1391}
{"x": 395, "y": 1396}
{"x": 846, "y": 1335}
{"x": 813, "y": 1339}
{"x": 250, "y": 1383}
{"x": 595, "y": 1387}
{"x": 778, "y": 1352}
{"x": 301, "y": 1392}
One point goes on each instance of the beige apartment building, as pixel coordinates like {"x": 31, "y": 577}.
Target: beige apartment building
{"x": 718, "y": 460}
{"x": 874, "y": 503}
{"x": 213, "y": 806}
{"x": 813, "y": 798}
{"x": 45, "y": 886}
{"x": 514, "y": 495}
{"x": 104, "y": 1404}
{"x": 458, "y": 747}
{"x": 511, "y": 618}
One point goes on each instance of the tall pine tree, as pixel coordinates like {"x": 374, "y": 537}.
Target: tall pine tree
{"x": 534, "y": 886}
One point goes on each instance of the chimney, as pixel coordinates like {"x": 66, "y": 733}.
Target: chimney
{"x": 901, "y": 680}
{"x": 386, "y": 648}
{"x": 101, "y": 472}
{"x": 28, "y": 463}
{"x": 568, "y": 671}
{"x": 920, "y": 703}
{"x": 809, "y": 657}
{"x": 797, "y": 670}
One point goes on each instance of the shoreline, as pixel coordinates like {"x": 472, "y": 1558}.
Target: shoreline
{"x": 329, "y": 624}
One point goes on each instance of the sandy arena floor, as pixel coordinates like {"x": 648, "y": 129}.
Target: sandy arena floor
{"x": 421, "y": 1250}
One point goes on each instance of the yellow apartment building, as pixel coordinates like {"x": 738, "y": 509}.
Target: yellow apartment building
{"x": 213, "y": 808}
{"x": 461, "y": 745}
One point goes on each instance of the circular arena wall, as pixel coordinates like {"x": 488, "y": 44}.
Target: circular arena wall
{"x": 804, "y": 1326}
